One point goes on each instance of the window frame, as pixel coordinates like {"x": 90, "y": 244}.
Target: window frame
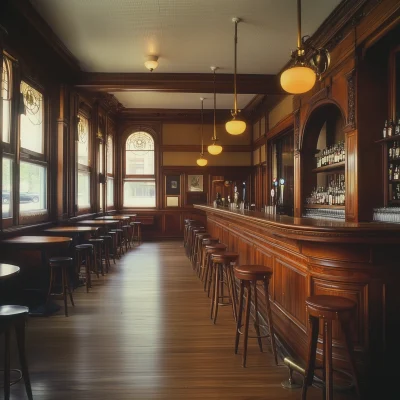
{"x": 110, "y": 175}
{"x": 84, "y": 112}
{"x": 130, "y": 177}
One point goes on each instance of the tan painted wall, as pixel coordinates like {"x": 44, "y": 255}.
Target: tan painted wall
{"x": 189, "y": 134}
{"x": 185, "y": 159}
{"x": 284, "y": 108}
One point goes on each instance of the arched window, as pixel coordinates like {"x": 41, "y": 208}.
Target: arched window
{"x": 6, "y": 98}
{"x": 139, "y": 180}
{"x": 110, "y": 171}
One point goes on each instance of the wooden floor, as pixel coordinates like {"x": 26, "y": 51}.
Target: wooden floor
{"x": 143, "y": 332}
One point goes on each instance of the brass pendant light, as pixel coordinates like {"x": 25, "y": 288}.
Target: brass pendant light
{"x": 301, "y": 76}
{"x": 201, "y": 161}
{"x": 214, "y": 148}
{"x": 236, "y": 126}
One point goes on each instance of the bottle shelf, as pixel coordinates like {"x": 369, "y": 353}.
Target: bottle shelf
{"x": 394, "y": 201}
{"x": 394, "y": 160}
{"x": 389, "y": 139}
{"x": 325, "y": 168}
{"x": 394, "y": 180}
{"x": 322, "y": 206}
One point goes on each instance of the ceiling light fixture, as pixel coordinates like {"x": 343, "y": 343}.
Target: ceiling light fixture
{"x": 214, "y": 148}
{"x": 202, "y": 162}
{"x": 236, "y": 126}
{"x": 151, "y": 63}
{"x": 301, "y": 76}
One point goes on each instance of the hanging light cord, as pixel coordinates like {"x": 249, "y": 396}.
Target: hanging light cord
{"x": 234, "y": 112}
{"x": 202, "y": 123}
{"x": 215, "y": 102}
{"x": 299, "y": 44}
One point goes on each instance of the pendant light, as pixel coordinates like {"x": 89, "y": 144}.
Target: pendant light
{"x": 301, "y": 76}
{"x": 202, "y": 162}
{"x": 236, "y": 126}
{"x": 214, "y": 148}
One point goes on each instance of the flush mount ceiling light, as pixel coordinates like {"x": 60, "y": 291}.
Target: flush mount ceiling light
{"x": 301, "y": 76}
{"x": 201, "y": 161}
{"x": 151, "y": 63}
{"x": 214, "y": 148}
{"x": 236, "y": 126}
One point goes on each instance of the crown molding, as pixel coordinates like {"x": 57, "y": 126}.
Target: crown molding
{"x": 179, "y": 83}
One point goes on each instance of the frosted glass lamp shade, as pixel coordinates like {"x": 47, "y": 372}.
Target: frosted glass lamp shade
{"x": 298, "y": 79}
{"x": 151, "y": 63}
{"x": 235, "y": 127}
{"x": 201, "y": 162}
{"x": 214, "y": 149}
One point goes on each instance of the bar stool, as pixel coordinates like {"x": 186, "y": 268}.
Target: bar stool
{"x": 328, "y": 308}
{"x": 120, "y": 246}
{"x": 248, "y": 276}
{"x": 63, "y": 264}
{"x": 188, "y": 223}
{"x": 199, "y": 250}
{"x": 194, "y": 232}
{"x": 84, "y": 252}
{"x": 15, "y": 316}
{"x": 193, "y": 225}
{"x": 205, "y": 242}
{"x": 137, "y": 231}
{"x": 222, "y": 274}
{"x": 125, "y": 236}
{"x": 114, "y": 244}
{"x": 107, "y": 244}
{"x": 210, "y": 249}
{"x": 98, "y": 255}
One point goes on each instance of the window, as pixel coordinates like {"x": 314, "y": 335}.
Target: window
{"x": 33, "y": 165}
{"x": 139, "y": 181}
{"x": 84, "y": 170}
{"x": 110, "y": 171}
{"x": 6, "y": 99}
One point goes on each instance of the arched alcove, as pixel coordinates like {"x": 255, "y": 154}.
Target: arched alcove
{"x": 324, "y": 184}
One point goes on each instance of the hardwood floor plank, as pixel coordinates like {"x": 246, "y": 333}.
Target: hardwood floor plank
{"x": 144, "y": 332}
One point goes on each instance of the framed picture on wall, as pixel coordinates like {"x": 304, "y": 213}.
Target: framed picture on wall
{"x": 173, "y": 185}
{"x": 195, "y": 183}
{"x": 172, "y": 201}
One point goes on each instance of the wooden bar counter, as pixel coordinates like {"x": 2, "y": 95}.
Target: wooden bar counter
{"x": 309, "y": 257}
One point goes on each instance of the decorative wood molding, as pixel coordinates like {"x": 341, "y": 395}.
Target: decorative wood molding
{"x": 283, "y": 125}
{"x": 179, "y": 83}
{"x": 322, "y": 94}
{"x": 296, "y": 115}
{"x": 351, "y": 99}
{"x": 196, "y": 148}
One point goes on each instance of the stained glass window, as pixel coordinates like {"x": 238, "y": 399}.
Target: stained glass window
{"x": 83, "y": 141}
{"x": 6, "y": 98}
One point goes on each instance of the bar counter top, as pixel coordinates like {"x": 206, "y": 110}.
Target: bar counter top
{"x": 311, "y": 229}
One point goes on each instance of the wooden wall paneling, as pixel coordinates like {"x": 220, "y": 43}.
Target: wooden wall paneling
{"x": 351, "y": 176}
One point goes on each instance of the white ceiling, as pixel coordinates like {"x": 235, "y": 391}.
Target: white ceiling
{"x": 187, "y": 35}
{"x": 179, "y": 100}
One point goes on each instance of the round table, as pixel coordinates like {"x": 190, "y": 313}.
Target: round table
{"x": 8, "y": 270}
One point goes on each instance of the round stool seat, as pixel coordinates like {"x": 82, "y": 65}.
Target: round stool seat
{"x": 252, "y": 272}
{"x": 83, "y": 246}
{"x": 96, "y": 240}
{"x": 209, "y": 241}
{"x": 59, "y": 260}
{"x": 224, "y": 258}
{"x": 136, "y": 223}
{"x": 217, "y": 246}
{"x": 12, "y": 311}
{"x": 330, "y": 303}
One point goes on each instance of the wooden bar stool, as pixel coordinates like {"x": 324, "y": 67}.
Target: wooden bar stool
{"x": 211, "y": 249}
{"x": 63, "y": 264}
{"x": 194, "y": 225}
{"x": 84, "y": 253}
{"x": 199, "y": 251}
{"x": 193, "y": 245}
{"x": 248, "y": 276}
{"x": 14, "y": 316}
{"x": 137, "y": 232}
{"x": 188, "y": 224}
{"x": 328, "y": 308}
{"x": 120, "y": 246}
{"x": 107, "y": 244}
{"x": 98, "y": 255}
{"x": 126, "y": 236}
{"x": 205, "y": 242}
{"x": 222, "y": 274}
{"x": 114, "y": 245}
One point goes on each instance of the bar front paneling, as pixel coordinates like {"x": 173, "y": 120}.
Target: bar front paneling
{"x": 311, "y": 257}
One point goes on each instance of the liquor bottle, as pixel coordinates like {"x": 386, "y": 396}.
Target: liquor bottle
{"x": 397, "y": 151}
{"x": 390, "y": 172}
{"x": 385, "y": 129}
{"x": 397, "y": 128}
{"x": 390, "y": 152}
{"x": 390, "y": 128}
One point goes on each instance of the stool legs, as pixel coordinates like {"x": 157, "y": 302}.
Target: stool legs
{"x": 311, "y": 353}
{"x": 7, "y": 363}
{"x": 270, "y": 323}
{"x": 20, "y": 334}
